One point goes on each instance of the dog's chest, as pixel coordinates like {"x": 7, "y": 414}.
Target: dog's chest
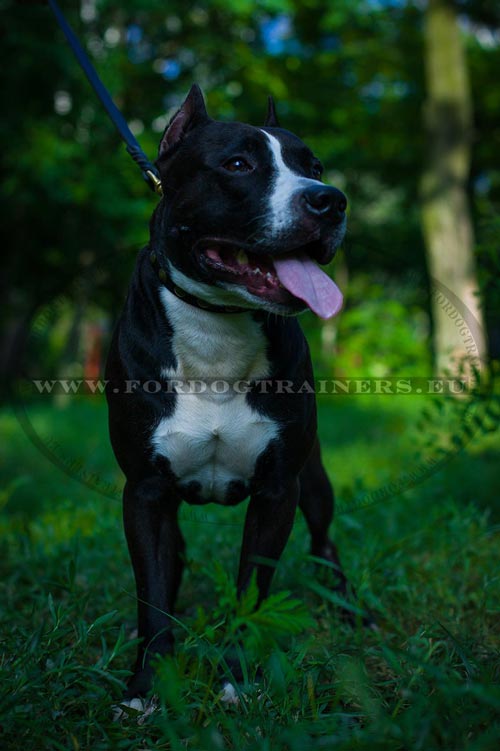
{"x": 213, "y": 438}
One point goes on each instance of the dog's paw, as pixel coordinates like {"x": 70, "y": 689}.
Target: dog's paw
{"x": 235, "y": 694}
{"x": 137, "y": 708}
{"x": 229, "y": 695}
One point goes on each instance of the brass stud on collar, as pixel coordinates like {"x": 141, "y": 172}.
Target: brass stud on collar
{"x": 203, "y": 304}
{"x": 162, "y": 275}
{"x": 179, "y": 292}
{"x": 152, "y": 258}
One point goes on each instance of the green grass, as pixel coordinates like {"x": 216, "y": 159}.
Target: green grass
{"x": 425, "y": 561}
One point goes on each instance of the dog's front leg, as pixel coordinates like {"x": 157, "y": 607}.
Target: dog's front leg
{"x": 156, "y": 548}
{"x": 268, "y": 524}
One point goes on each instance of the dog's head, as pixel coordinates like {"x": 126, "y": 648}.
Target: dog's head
{"x": 245, "y": 217}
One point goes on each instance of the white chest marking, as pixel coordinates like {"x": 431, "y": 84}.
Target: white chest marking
{"x": 213, "y": 438}
{"x": 286, "y": 184}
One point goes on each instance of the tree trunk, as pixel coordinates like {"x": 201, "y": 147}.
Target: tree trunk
{"x": 447, "y": 226}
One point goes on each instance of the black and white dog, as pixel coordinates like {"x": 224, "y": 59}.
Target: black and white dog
{"x": 233, "y": 258}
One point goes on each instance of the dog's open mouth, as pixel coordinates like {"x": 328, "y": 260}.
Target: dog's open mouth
{"x": 283, "y": 279}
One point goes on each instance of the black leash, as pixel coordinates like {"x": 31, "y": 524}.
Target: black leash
{"x": 149, "y": 171}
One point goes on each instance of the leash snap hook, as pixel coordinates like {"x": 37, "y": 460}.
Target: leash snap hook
{"x": 154, "y": 181}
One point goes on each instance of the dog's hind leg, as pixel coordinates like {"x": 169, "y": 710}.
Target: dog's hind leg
{"x": 156, "y": 548}
{"x": 316, "y": 502}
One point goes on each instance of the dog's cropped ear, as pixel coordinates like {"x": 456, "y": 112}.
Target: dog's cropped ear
{"x": 191, "y": 113}
{"x": 272, "y": 118}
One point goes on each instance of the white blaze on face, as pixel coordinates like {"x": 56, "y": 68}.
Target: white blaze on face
{"x": 285, "y": 185}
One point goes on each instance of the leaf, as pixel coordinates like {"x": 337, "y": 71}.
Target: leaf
{"x": 334, "y": 598}
{"x": 102, "y": 620}
{"x": 52, "y": 610}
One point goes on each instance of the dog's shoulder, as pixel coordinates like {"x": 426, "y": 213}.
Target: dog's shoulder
{"x": 142, "y": 340}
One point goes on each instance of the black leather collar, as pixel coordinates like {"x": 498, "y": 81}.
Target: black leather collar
{"x": 167, "y": 282}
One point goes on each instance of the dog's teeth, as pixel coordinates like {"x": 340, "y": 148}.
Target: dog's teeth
{"x": 256, "y": 271}
{"x": 269, "y": 276}
{"x": 242, "y": 258}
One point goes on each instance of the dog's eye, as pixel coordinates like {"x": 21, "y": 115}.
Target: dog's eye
{"x": 317, "y": 170}
{"x": 237, "y": 164}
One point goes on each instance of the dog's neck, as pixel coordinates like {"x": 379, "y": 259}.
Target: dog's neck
{"x": 165, "y": 277}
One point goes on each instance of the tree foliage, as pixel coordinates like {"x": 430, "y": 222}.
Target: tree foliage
{"x": 347, "y": 76}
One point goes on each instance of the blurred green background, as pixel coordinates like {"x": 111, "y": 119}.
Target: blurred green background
{"x": 348, "y": 77}
{"x": 417, "y": 477}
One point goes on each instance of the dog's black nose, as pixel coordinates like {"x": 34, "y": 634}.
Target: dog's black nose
{"x": 324, "y": 200}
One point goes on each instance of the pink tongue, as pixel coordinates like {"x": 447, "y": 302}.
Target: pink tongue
{"x": 304, "y": 279}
